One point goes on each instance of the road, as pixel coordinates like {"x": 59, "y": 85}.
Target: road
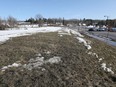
{"x": 107, "y": 37}
{"x": 104, "y": 34}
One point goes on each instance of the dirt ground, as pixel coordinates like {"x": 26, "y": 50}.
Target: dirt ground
{"x": 77, "y": 68}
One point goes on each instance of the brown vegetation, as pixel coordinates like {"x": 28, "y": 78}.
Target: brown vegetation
{"x": 76, "y": 69}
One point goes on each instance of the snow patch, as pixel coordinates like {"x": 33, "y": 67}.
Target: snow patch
{"x": 10, "y": 66}
{"x": 103, "y": 65}
{"x": 48, "y": 52}
{"x": 93, "y": 54}
{"x": 81, "y": 40}
{"x": 67, "y": 31}
{"x": 7, "y": 34}
{"x": 76, "y": 33}
{"x": 55, "y": 59}
{"x": 39, "y": 55}
{"x": 64, "y": 31}
{"x": 39, "y": 61}
{"x": 61, "y": 35}
{"x": 100, "y": 59}
{"x": 34, "y": 63}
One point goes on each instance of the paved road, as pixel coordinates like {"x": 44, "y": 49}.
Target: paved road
{"x": 104, "y": 34}
{"x": 108, "y": 37}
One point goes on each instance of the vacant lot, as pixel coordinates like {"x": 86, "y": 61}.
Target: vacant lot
{"x": 73, "y": 64}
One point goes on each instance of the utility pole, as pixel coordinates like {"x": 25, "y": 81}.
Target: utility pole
{"x": 63, "y": 22}
{"x": 107, "y": 25}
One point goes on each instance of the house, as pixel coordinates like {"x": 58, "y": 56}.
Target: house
{"x": 23, "y": 23}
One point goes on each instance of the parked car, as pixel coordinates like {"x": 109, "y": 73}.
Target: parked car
{"x": 91, "y": 29}
{"x": 101, "y": 29}
{"x": 113, "y": 29}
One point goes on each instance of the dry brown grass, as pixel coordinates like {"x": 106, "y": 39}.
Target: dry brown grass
{"x": 77, "y": 68}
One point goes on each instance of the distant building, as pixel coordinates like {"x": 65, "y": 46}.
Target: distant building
{"x": 23, "y": 23}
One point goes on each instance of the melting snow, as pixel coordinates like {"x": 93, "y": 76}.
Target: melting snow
{"x": 76, "y": 33}
{"x": 7, "y": 34}
{"x": 93, "y": 54}
{"x": 100, "y": 59}
{"x": 67, "y": 31}
{"x": 48, "y": 52}
{"x": 39, "y": 55}
{"x": 10, "y": 66}
{"x": 81, "y": 40}
{"x": 39, "y": 61}
{"x": 61, "y": 35}
{"x": 103, "y": 65}
{"x": 64, "y": 31}
{"x": 55, "y": 59}
{"x": 34, "y": 63}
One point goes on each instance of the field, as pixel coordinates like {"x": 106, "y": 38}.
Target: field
{"x": 56, "y": 60}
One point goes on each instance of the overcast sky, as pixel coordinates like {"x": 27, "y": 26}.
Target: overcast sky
{"x": 23, "y": 9}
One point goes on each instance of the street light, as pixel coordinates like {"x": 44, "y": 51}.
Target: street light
{"x": 106, "y": 19}
{"x": 106, "y": 16}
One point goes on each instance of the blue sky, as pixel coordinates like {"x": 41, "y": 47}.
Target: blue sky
{"x": 23, "y": 9}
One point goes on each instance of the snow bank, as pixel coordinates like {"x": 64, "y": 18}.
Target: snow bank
{"x": 7, "y": 34}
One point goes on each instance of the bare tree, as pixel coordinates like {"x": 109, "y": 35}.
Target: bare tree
{"x": 39, "y": 19}
{"x": 1, "y": 21}
{"x": 2, "y": 24}
{"x": 12, "y": 21}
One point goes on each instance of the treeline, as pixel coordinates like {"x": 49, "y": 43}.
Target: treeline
{"x": 64, "y": 21}
{"x": 9, "y": 22}
{"x": 109, "y": 22}
{"x": 53, "y": 21}
{"x": 41, "y": 20}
